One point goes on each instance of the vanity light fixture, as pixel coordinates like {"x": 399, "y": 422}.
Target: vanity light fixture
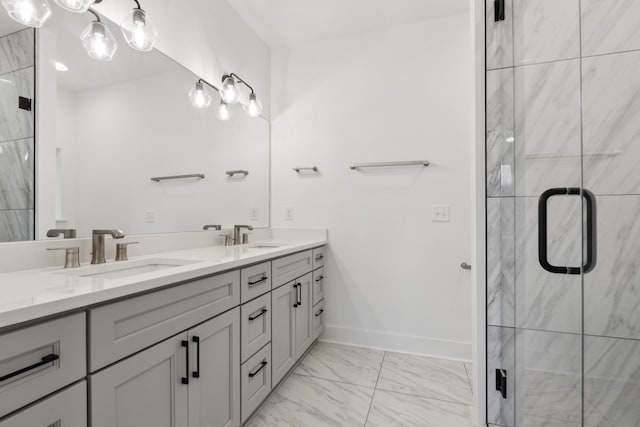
{"x": 138, "y": 29}
{"x": 229, "y": 90}
{"x": 32, "y": 13}
{"x": 75, "y": 6}
{"x": 223, "y": 112}
{"x": 199, "y": 95}
{"x": 98, "y": 40}
{"x": 253, "y": 107}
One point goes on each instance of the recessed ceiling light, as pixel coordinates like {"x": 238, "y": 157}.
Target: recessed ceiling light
{"x": 61, "y": 67}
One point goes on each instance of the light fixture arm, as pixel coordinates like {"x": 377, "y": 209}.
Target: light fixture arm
{"x": 208, "y": 84}
{"x": 238, "y": 78}
{"x": 138, "y": 4}
{"x": 94, "y": 13}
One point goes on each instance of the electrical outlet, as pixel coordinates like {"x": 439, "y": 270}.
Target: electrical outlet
{"x": 253, "y": 214}
{"x": 441, "y": 213}
{"x": 289, "y": 214}
{"x": 150, "y": 217}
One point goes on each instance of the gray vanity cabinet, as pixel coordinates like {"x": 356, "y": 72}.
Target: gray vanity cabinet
{"x": 283, "y": 320}
{"x": 214, "y": 383}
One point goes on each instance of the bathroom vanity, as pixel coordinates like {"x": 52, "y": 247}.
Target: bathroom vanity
{"x": 187, "y": 338}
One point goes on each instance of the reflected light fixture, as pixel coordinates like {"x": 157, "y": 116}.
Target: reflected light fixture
{"x": 76, "y": 6}
{"x": 32, "y": 13}
{"x": 199, "y": 95}
{"x": 60, "y": 66}
{"x": 98, "y": 40}
{"x": 253, "y": 107}
{"x": 229, "y": 90}
{"x": 223, "y": 112}
{"x": 138, "y": 29}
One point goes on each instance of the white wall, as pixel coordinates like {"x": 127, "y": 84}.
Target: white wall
{"x": 402, "y": 93}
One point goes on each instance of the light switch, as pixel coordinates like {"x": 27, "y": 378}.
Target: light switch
{"x": 253, "y": 214}
{"x": 289, "y": 214}
{"x": 150, "y": 217}
{"x": 441, "y": 213}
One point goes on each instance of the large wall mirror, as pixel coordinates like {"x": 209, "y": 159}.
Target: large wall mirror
{"x": 81, "y": 140}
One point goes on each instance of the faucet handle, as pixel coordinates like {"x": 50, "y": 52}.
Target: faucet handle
{"x": 121, "y": 250}
{"x": 228, "y": 239}
{"x": 72, "y": 256}
{"x": 245, "y": 238}
{"x": 216, "y": 227}
{"x": 68, "y": 233}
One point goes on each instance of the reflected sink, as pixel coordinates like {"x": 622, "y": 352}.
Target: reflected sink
{"x": 125, "y": 269}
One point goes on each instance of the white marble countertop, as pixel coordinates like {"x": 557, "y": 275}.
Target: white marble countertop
{"x": 33, "y": 294}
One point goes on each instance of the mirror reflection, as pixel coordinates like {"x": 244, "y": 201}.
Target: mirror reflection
{"x": 87, "y": 144}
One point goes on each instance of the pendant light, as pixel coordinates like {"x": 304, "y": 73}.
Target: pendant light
{"x": 253, "y": 107}
{"x": 138, "y": 30}
{"x": 229, "y": 90}
{"x": 98, "y": 40}
{"x": 76, "y": 6}
{"x": 32, "y": 13}
{"x": 223, "y": 112}
{"x": 200, "y": 96}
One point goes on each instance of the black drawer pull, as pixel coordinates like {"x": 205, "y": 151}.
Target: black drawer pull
{"x": 295, "y": 305}
{"x": 320, "y": 312}
{"x": 185, "y": 344}
{"x": 319, "y": 257}
{"x": 46, "y": 359}
{"x": 260, "y": 368}
{"x": 299, "y": 295}
{"x": 320, "y": 278}
{"x": 254, "y": 316}
{"x": 196, "y": 373}
{"x": 263, "y": 279}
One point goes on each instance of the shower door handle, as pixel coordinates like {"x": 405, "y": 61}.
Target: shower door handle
{"x": 590, "y": 204}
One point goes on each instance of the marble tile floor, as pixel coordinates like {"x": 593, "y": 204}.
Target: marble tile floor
{"x": 342, "y": 386}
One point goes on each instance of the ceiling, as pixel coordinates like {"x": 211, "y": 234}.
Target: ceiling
{"x": 290, "y": 22}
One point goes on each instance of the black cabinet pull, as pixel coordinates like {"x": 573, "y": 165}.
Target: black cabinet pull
{"x": 185, "y": 344}
{"x": 46, "y": 359}
{"x": 320, "y": 278}
{"x": 499, "y": 9}
{"x": 319, "y": 257}
{"x": 263, "y": 279}
{"x": 260, "y": 368}
{"x": 590, "y": 203}
{"x": 254, "y": 316}
{"x": 299, "y": 295}
{"x": 320, "y": 312}
{"x": 295, "y": 305}
{"x": 196, "y": 373}
{"x": 501, "y": 382}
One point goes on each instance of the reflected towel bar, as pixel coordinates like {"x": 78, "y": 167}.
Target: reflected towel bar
{"x": 311, "y": 168}
{"x": 355, "y": 166}
{"x": 237, "y": 172}
{"x": 167, "y": 178}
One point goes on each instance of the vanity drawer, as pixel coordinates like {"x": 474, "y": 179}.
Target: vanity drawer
{"x": 256, "y": 381}
{"x": 255, "y": 325}
{"x": 318, "y": 320}
{"x": 65, "y": 409}
{"x": 38, "y": 360}
{"x": 255, "y": 281}
{"x": 123, "y": 328}
{"x": 291, "y": 267}
{"x": 318, "y": 285}
{"x": 318, "y": 257}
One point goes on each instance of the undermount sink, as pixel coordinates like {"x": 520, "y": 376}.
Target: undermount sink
{"x": 125, "y": 269}
{"x": 265, "y": 246}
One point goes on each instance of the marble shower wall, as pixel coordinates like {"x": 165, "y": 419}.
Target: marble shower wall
{"x": 563, "y": 110}
{"x": 17, "y": 156}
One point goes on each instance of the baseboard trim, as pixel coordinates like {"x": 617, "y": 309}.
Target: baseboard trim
{"x": 386, "y": 341}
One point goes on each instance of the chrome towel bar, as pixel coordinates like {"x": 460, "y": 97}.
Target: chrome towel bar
{"x": 168, "y": 178}
{"x": 237, "y": 172}
{"x": 355, "y": 166}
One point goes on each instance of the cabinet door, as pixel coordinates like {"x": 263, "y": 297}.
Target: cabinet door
{"x": 283, "y": 351}
{"x": 304, "y": 315}
{"x": 214, "y": 389}
{"x": 65, "y": 409}
{"x": 145, "y": 390}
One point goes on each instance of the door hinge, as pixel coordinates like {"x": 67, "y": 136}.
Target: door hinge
{"x": 24, "y": 103}
{"x": 499, "y": 7}
{"x": 501, "y": 382}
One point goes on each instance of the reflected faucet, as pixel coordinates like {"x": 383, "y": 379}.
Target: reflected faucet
{"x": 237, "y": 237}
{"x": 97, "y": 256}
{"x": 215, "y": 227}
{"x": 68, "y": 233}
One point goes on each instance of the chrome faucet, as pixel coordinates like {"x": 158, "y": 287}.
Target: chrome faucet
{"x": 68, "y": 233}
{"x": 97, "y": 256}
{"x": 237, "y": 236}
{"x": 215, "y": 227}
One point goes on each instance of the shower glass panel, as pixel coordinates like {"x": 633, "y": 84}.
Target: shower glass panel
{"x": 17, "y": 160}
{"x": 563, "y": 209}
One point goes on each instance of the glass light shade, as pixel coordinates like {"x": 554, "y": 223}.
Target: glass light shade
{"x": 253, "y": 107}
{"x": 32, "y": 13}
{"x": 229, "y": 91}
{"x": 139, "y": 31}
{"x": 99, "y": 42}
{"x": 223, "y": 112}
{"x": 76, "y": 6}
{"x": 200, "y": 96}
